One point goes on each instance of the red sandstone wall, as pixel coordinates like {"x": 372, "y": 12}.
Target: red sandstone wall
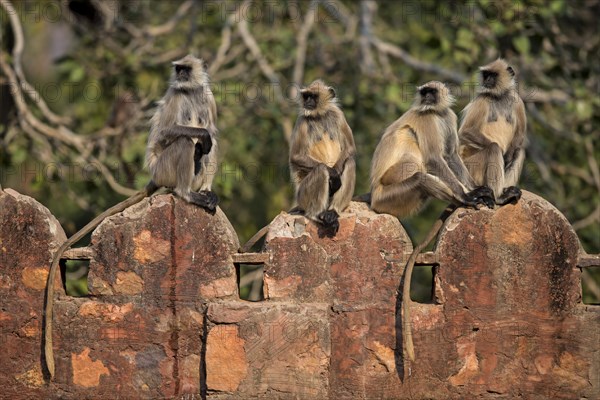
{"x": 164, "y": 319}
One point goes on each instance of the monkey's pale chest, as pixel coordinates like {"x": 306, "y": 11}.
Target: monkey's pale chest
{"x": 325, "y": 150}
{"x": 499, "y": 131}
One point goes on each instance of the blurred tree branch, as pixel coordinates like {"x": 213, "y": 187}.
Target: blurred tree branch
{"x": 28, "y": 121}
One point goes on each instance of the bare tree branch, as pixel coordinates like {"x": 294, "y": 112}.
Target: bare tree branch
{"x": 62, "y": 134}
{"x": 19, "y": 45}
{"x": 594, "y": 217}
{"x": 581, "y": 173}
{"x": 223, "y": 48}
{"x": 257, "y": 54}
{"x": 302, "y": 40}
{"x": 419, "y": 65}
{"x": 172, "y": 23}
{"x": 32, "y": 125}
{"x": 537, "y": 95}
{"x": 590, "y": 282}
{"x": 542, "y": 120}
{"x": 592, "y": 162}
{"x": 340, "y": 12}
{"x": 367, "y": 9}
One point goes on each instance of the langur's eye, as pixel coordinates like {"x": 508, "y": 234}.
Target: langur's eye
{"x": 182, "y": 68}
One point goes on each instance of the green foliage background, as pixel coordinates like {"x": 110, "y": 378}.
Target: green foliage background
{"x": 84, "y": 50}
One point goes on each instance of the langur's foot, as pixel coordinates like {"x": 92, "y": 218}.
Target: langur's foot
{"x": 205, "y": 199}
{"x": 329, "y": 223}
{"x": 482, "y": 195}
{"x": 511, "y": 194}
{"x": 213, "y": 199}
{"x": 481, "y": 191}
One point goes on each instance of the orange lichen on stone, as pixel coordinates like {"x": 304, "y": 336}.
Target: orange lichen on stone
{"x": 225, "y": 353}
{"x": 86, "y": 372}
{"x": 108, "y": 312}
{"x": 128, "y": 283}
{"x": 221, "y": 287}
{"x": 385, "y": 356}
{"x": 470, "y": 368}
{"x": 35, "y": 278}
{"x": 150, "y": 249}
{"x": 285, "y": 287}
{"x": 32, "y": 377}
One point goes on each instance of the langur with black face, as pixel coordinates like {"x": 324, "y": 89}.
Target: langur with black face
{"x": 182, "y": 146}
{"x": 493, "y": 133}
{"x": 416, "y": 159}
{"x": 322, "y": 157}
{"x": 181, "y": 154}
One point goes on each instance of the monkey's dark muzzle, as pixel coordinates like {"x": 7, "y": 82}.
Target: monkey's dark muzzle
{"x": 430, "y": 99}
{"x": 310, "y": 104}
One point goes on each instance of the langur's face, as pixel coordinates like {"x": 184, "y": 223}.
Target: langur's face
{"x": 309, "y": 100}
{"x": 183, "y": 73}
{"x": 489, "y": 79}
{"x": 429, "y": 96}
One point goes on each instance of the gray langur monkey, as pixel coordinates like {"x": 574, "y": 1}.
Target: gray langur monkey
{"x": 417, "y": 158}
{"x": 322, "y": 157}
{"x": 493, "y": 133}
{"x": 183, "y": 130}
{"x": 181, "y": 154}
{"x": 321, "y": 161}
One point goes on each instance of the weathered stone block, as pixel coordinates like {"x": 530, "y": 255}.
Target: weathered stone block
{"x": 136, "y": 350}
{"x": 29, "y": 235}
{"x": 521, "y": 256}
{"x": 164, "y": 250}
{"x": 266, "y": 350}
{"x": 369, "y": 248}
{"x": 511, "y": 296}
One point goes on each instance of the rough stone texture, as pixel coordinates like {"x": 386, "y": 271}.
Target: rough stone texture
{"x": 155, "y": 248}
{"x": 357, "y": 273}
{"x": 164, "y": 320}
{"x": 29, "y": 235}
{"x": 368, "y": 248}
{"x": 127, "y": 348}
{"x": 278, "y": 351}
{"x": 513, "y": 305}
{"x": 156, "y": 266}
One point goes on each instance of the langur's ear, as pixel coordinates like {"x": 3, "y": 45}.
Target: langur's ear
{"x": 332, "y": 93}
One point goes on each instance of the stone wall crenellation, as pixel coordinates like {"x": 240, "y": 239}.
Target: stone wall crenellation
{"x": 164, "y": 319}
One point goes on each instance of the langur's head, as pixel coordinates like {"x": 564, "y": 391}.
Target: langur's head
{"x": 497, "y": 78}
{"x": 317, "y": 98}
{"x": 433, "y": 96}
{"x": 189, "y": 73}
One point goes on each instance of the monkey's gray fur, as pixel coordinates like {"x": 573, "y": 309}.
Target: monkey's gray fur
{"x": 182, "y": 146}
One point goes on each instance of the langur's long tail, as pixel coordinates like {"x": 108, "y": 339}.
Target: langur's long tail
{"x": 406, "y": 328}
{"x": 136, "y": 198}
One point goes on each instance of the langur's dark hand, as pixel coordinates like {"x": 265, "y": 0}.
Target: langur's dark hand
{"x": 335, "y": 181}
{"x": 205, "y": 141}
